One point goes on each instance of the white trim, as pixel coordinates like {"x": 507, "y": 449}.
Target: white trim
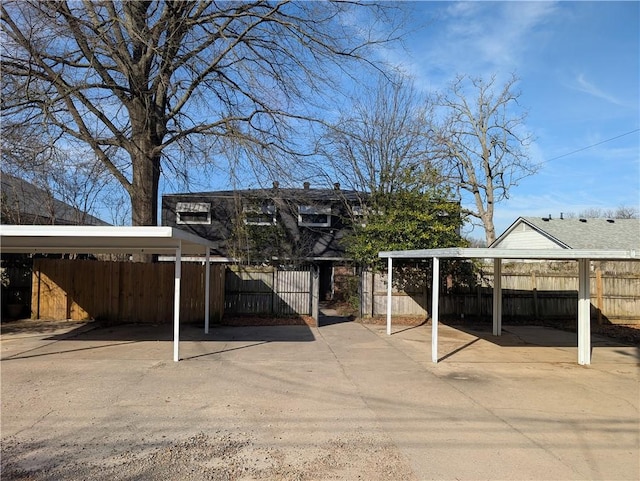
{"x": 207, "y": 284}
{"x": 193, "y": 208}
{"x": 584, "y": 313}
{"x": 497, "y": 297}
{"x": 389, "y": 298}
{"x": 314, "y": 210}
{"x": 435, "y": 310}
{"x": 176, "y": 305}
{"x": 265, "y": 210}
{"x": 55, "y": 239}
{"x": 490, "y": 253}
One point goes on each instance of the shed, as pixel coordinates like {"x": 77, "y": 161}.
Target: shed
{"x": 53, "y": 239}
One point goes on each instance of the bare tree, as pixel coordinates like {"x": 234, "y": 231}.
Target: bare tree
{"x": 50, "y": 176}
{"x": 621, "y": 212}
{"x": 381, "y": 149}
{"x": 380, "y": 145}
{"x": 149, "y": 84}
{"x": 481, "y": 143}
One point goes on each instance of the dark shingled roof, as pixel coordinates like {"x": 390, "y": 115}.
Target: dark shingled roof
{"x": 311, "y": 195}
{"x": 25, "y": 203}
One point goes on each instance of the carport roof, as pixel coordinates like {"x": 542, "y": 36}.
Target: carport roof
{"x": 488, "y": 253}
{"x": 55, "y": 239}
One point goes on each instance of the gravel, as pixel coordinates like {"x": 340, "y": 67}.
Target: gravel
{"x": 216, "y": 456}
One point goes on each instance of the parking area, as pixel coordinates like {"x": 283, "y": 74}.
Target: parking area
{"x": 343, "y": 401}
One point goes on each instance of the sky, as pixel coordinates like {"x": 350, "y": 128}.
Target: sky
{"x": 579, "y": 70}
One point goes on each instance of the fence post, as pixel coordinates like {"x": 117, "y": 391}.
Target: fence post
{"x": 534, "y": 287}
{"x": 599, "y": 293}
{"x": 274, "y": 290}
{"x": 315, "y": 293}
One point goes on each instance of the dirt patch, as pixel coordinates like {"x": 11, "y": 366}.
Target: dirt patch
{"x": 219, "y": 456}
{"x": 37, "y": 326}
{"x": 628, "y": 333}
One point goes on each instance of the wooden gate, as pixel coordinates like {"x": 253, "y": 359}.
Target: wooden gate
{"x": 269, "y": 290}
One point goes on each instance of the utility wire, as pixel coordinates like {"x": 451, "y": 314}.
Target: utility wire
{"x": 589, "y": 146}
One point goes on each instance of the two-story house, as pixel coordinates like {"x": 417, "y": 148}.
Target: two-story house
{"x": 273, "y": 225}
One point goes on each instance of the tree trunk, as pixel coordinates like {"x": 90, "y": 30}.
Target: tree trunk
{"x": 144, "y": 190}
{"x": 144, "y": 193}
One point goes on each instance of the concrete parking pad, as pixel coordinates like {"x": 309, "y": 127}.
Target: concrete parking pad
{"x": 343, "y": 401}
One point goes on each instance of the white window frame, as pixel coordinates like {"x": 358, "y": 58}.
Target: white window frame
{"x": 193, "y": 208}
{"x": 267, "y": 210}
{"x": 314, "y": 210}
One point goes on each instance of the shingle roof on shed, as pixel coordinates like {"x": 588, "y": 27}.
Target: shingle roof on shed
{"x": 589, "y": 233}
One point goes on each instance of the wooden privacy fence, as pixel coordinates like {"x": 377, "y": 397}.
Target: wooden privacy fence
{"x": 122, "y": 291}
{"x": 269, "y": 290}
{"x": 532, "y": 292}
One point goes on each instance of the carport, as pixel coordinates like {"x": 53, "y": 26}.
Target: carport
{"x": 582, "y": 256}
{"x": 54, "y": 239}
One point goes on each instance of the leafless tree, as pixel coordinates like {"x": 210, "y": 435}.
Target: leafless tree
{"x": 152, "y": 85}
{"x": 381, "y": 144}
{"x": 481, "y": 143}
{"x": 621, "y": 212}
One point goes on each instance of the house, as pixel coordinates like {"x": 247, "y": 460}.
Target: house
{"x": 22, "y": 203}
{"x": 26, "y": 204}
{"x": 285, "y": 225}
{"x": 575, "y": 233}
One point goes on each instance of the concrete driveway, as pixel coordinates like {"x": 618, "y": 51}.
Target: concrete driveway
{"x": 344, "y": 401}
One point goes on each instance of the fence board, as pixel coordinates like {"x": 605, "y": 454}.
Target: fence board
{"x": 530, "y": 291}
{"x": 122, "y": 291}
{"x": 273, "y": 291}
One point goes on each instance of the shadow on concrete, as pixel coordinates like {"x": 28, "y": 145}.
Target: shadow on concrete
{"x": 539, "y": 336}
{"x": 456, "y": 351}
{"x": 331, "y": 320}
{"x": 328, "y": 316}
{"x": 99, "y": 336}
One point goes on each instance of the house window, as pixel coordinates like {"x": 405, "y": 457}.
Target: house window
{"x": 193, "y": 213}
{"x": 312, "y": 216}
{"x": 259, "y": 215}
{"x": 358, "y": 214}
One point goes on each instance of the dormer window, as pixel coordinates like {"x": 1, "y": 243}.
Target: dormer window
{"x": 357, "y": 210}
{"x": 259, "y": 215}
{"x": 193, "y": 213}
{"x": 314, "y": 216}
{"x": 358, "y": 215}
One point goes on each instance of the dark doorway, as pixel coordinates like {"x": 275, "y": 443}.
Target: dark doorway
{"x": 326, "y": 281}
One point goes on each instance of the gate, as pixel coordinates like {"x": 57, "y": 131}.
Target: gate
{"x": 270, "y": 290}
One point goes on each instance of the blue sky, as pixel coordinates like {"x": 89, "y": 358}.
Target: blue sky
{"x": 579, "y": 65}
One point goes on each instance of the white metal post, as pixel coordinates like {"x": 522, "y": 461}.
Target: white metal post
{"x": 207, "y": 284}
{"x": 176, "y": 305}
{"x": 435, "y": 297}
{"x": 584, "y": 313}
{"x": 389, "y": 278}
{"x": 315, "y": 294}
{"x": 497, "y": 297}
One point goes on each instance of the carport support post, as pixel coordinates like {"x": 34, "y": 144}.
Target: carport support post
{"x": 497, "y": 297}
{"x": 207, "y": 283}
{"x": 176, "y": 305}
{"x": 389, "y": 278}
{"x": 584, "y": 313}
{"x": 315, "y": 293}
{"x": 435, "y": 297}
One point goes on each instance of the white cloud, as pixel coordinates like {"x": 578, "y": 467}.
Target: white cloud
{"x": 583, "y": 85}
{"x": 480, "y": 38}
